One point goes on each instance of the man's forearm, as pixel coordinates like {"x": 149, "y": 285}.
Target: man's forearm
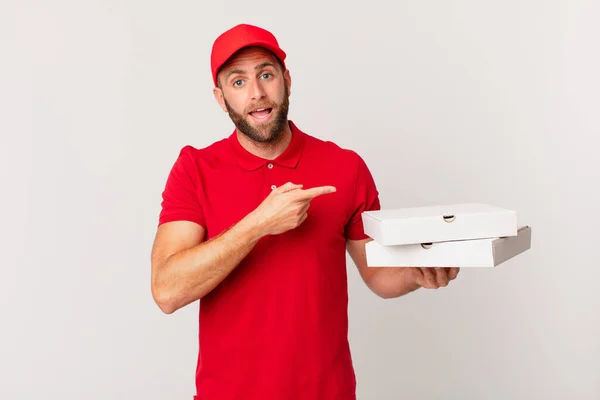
{"x": 392, "y": 282}
{"x": 190, "y": 274}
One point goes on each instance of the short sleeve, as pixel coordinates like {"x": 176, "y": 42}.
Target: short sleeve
{"x": 180, "y": 195}
{"x": 366, "y": 198}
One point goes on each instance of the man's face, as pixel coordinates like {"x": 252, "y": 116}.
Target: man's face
{"x": 255, "y": 92}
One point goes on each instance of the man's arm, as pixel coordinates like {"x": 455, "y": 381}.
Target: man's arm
{"x": 185, "y": 267}
{"x": 390, "y": 282}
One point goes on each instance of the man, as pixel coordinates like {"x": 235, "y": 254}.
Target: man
{"x": 256, "y": 226}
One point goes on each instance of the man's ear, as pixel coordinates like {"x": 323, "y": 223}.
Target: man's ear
{"x": 218, "y": 93}
{"x": 288, "y": 80}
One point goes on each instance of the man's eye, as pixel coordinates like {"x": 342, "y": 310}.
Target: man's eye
{"x": 237, "y": 83}
{"x": 266, "y": 75}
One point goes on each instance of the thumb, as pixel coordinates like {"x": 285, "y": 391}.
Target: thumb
{"x": 288, "y": 187}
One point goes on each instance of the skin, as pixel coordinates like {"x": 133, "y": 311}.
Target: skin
{"x": 185, "y": 266}
{"x": 253, "y": 78}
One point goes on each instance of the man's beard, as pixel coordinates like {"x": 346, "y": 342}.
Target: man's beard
{"x": 275, "y": 127}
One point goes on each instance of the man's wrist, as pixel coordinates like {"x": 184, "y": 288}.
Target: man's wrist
{"x": 252, "y": 227}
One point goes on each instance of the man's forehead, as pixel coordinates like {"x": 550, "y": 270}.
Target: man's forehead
{"x": 255, "y": 56}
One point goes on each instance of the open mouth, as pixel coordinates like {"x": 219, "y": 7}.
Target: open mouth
{"x": 261, "y": 113}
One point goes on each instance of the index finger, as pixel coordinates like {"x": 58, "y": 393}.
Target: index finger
{"x": 315, "y": 191}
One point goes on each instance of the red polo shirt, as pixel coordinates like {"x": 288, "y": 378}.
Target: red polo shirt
{"x": 277, "y": 326}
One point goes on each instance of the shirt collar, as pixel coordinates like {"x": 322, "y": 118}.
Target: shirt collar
{"x": 289, "y": 158}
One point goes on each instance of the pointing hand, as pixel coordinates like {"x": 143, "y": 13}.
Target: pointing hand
{"x": 286, "y": 207}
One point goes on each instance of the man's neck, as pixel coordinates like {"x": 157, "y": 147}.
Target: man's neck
{"x": 268, "y": 151}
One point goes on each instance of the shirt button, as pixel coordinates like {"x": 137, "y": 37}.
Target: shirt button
{"x": 270, "y": 166}
{"x": 273, "y": 187}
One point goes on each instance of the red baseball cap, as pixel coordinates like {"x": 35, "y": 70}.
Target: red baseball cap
{"x": 238, "y": 37}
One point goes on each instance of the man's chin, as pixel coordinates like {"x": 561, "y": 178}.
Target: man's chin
{"x": 259, "y": 134}
{"x": 264, "y": 130}
{"x": 265, "y": 136}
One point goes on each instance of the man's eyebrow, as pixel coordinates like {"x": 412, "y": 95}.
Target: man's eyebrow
{"x": 264, "y": 64}
{"x": 235, "y": 71}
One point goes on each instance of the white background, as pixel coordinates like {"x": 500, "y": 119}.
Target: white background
{"x": 495, "y": 102}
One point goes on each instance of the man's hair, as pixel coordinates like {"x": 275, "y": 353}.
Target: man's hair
{"x": 231, "y": 59}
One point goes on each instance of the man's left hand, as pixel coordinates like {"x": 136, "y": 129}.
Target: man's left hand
{"x": 433, "y": 277}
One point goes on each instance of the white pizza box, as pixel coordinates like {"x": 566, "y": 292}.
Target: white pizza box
{"x": 462, "y": 253}
{"x": 439, "y": 223}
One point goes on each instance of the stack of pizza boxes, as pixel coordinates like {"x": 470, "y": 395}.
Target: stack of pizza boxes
{"x": 458, "y": 235}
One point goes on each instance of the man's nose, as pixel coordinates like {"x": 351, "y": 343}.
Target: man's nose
{"x": 256, "y": 90}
